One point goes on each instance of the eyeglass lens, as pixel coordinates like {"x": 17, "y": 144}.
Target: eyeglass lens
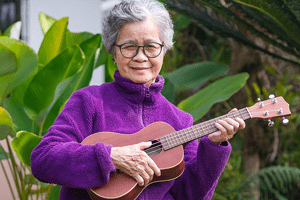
{"x": 151, "y": 50}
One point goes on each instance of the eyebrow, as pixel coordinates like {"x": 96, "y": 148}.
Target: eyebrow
{"x": 131, "y": 41}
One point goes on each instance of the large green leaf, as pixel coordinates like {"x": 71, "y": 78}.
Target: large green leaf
{"x": 26, "y": 64}
{"x": 46, "y": 22}
{"x": 8, "y": 61}
{"x": 41, "y": 90}
{"x": 17, "y": 112}
{"x": 23, "y": 144}
{"x": 168, "y": 90}
{"x": 194, "y": 75}
{"x": 72, "y": 38}
{"x": 110, "y": 68}
{"x": 54, "y": 41}
{"x": 83, "y": 78}
{"x": 80, "y": 80}
{"x": 15, "y": 106}
{"x": 14, "y": 31}
{"x": 198, "y": 104}
{"x": 6, "y": 124}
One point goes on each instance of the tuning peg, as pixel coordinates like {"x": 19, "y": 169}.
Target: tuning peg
{"x": 271, "y": 96}
{"x": 271, "y": 123}
{"x": 285, "y": 120}
{"x": 261, "y": 104}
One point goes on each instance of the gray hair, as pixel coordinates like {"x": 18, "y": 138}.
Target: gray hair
{"x": 136, "y": 11}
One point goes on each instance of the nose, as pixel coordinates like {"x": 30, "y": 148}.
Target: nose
{"x": 140, "y": 56}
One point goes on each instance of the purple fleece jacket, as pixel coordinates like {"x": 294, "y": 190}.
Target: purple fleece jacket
{"x": 123, "y": 107}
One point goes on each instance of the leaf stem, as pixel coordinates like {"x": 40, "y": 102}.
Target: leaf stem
{"x": 9, "y": 184}
{"x": 15, "y": 169}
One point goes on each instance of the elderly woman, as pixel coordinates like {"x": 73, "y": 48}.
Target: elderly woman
{"x": 137, "y": 33}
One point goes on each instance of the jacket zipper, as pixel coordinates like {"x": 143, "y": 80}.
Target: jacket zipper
{"x": 147, "y": 95}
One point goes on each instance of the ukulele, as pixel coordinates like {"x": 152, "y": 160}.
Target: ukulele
{"x": 167, "y": 147}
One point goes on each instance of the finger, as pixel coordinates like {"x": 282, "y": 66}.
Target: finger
{"x": 144, "y": 145}
{"x": 139, "y": 179}
{"x": 145, "y": 176}
{"x": 216, "y": 133}
{"x": 241, "y": 122}
{"x": 233, "y": 110}
{"x": 224, "y": 127}
{"x": 154, "y": 167}
{"x": 233, "y": 123}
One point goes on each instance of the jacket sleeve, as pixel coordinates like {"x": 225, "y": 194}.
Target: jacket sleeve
{"x": 61, "y": 159}
{"x": 204, "y": 164}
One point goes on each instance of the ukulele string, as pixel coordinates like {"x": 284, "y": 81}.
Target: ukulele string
{"x": 181, "y": 134}
{"x": 176, "y": 138}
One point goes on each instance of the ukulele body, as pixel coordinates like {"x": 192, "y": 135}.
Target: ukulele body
{"x": 122, "y": 186}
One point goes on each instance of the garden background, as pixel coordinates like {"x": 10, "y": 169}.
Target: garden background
{"x": 226, "y": 54}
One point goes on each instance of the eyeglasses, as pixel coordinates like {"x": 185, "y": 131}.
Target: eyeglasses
{"x": 151, "y": 50}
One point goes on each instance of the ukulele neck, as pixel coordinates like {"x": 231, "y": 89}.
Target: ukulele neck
{"x": 177, "y": 138}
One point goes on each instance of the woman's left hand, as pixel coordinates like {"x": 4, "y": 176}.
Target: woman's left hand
{"x": 227, "y": 128}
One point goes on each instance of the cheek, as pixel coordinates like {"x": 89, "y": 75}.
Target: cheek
{"x": 158, "y": 63}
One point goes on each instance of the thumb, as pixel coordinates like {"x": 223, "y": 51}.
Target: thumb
{"x": 233, "y": 110}
{"x": 144, "y": 145}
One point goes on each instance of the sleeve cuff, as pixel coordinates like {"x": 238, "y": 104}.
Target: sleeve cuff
{"x": 103, "y": 155}
{"x": 224, "y": 144}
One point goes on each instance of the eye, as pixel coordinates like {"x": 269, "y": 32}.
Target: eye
{"x": 129, "y": 46}
{"x": 150, "y": 46}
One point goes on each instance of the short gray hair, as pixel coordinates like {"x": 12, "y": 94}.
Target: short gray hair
{"x": 136, "y": 11}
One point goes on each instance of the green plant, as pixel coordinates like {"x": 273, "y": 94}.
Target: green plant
{"x": 275, "y": 22}
{"x": 275, "y": 182}
{"x": 34, "y": 88}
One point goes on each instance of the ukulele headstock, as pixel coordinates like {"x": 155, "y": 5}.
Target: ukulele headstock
{"x": 271, "y": 108}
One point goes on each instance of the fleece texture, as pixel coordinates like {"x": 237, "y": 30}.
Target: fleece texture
{"x": 123, "y": 107}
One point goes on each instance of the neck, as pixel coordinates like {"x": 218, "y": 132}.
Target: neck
{"x": 197, "y": 131}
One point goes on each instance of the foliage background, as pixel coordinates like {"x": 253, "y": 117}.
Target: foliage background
{"x": 253, "y": 41}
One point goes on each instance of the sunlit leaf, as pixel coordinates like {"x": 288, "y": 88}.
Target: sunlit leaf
{"x": 72, "y": 38}
{"x": 8, "y": 61}
{"x": 80, "y": 79}
{"x": 23, "y": 144}
{"x": 46, "y": 22}
{"x": 41, "y": 90}
{"x": 54, "y": 41}
{"x": 198, "y": 104}
{"x": 26, "y": 64}
{"x": 6, "y": 124}
{"x": 14, "y": 31}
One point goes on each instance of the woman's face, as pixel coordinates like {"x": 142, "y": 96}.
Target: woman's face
{"x": 139, "y": 69}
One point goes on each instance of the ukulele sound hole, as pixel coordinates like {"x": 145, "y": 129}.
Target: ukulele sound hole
{"x": 155, "y": 148}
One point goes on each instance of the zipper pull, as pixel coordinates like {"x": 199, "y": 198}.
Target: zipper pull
{"x": 148, "y": 95}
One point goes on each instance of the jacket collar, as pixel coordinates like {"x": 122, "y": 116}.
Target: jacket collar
{"x": 136, "y": 92}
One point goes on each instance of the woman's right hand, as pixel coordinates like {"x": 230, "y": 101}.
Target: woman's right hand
{"x": 133, "y": 161}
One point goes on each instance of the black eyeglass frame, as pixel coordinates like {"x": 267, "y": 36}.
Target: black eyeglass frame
{"x": 138, "y": 48}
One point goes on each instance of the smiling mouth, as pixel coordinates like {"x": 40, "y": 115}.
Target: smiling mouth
{"x": 139, "y": 68}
